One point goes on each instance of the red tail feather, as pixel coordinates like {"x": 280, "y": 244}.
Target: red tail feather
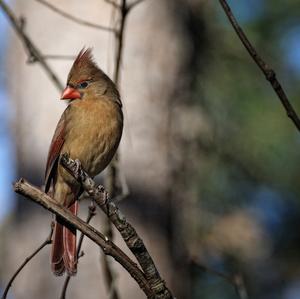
{"x": 57, "y": 263}
{"x": 64, "y": 255}
{"x": 69, "y": 237}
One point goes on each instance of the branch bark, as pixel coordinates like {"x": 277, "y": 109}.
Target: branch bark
{"x": 34, "y": 54}
{"x": 108, "y": 247}
{"x": 127, "y": 231}
{"x": 268, "y": 72}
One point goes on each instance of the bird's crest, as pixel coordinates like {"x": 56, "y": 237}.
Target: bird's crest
{"x": 85, "y": 56}
{"x": 84, "y": 65}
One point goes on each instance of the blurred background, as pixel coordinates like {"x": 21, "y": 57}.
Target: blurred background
{"x": 208, "y": 153}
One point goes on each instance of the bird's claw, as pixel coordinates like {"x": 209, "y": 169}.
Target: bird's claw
{"x": 77, "y": 167}
{"x": 101, "y": 189}
{"x": 104, "y": 194}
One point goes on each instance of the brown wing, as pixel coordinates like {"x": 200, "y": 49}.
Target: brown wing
{"x": 54, "y": 151}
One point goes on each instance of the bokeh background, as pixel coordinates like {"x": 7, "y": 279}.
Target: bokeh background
{"x": 208, "y": 153}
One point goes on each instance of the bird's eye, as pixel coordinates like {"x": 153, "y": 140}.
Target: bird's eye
{"x": 83, "y": 84}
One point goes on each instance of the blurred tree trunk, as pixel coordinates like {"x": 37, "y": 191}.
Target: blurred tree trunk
{"x": 164, "y": 51}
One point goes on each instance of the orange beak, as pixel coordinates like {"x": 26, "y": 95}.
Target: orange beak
{"x": 70, "y": 93}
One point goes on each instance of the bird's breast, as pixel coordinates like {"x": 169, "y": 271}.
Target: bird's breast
{"x": 93, "y": 135}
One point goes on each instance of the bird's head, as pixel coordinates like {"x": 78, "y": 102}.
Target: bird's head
{"x": 86, "y": 80}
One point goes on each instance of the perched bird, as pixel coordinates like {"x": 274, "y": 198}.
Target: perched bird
{"x": 90, "y": 130}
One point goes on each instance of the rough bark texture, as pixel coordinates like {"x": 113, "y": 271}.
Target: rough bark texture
{"x": 127, "y": 231}
{"x": 109, "y": 248}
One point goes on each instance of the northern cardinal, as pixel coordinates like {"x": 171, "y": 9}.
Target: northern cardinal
{"x": 90, "y": 130}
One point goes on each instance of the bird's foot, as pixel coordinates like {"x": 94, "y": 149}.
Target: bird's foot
{"x": 77, "y": 168}
{"x": 104, "y": 194}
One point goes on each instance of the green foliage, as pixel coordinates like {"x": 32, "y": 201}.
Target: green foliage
{"x": 248, "y": 119}
{"x": 251, "y": 143}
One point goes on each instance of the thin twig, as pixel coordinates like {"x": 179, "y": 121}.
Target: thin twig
{"x": 90, "y": 215}
{"x": 113, "y": 171}
{"x": 59, "y": 57}
{"x": 268, "y": 72}
{"x": 113, "y": 3}
{"x": 27, "y": 260}
{"x": 120, "y": 41}
{"x": 34, "y": 53}
{"x": 240, "y": 287}
{"x": 109, "y": 274}
{"x": 127, "y": 231}
{"x": 235, "y": 280}
{"x": 108, "y": 247}
{"x": 73, "y": 18}
{"x": 133, "y": 4}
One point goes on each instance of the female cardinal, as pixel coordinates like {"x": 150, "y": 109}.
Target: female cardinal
{"x": 90, "y": 130}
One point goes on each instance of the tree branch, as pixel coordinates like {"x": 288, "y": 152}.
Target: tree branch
{"x": 127, "y": 231}
{"x": 108, "y": 247}
{"x": 27, "y": 260}
{"x": 268, "y": 72}
{"x": 73, "y": 18}
{"x": 34, "y": 53}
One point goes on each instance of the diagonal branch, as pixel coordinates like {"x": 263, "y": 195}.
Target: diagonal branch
{"x": 268, "y": 72}
{"x": 108, "y": 247}
{"x": 27, "y": 260}
{"x": 127, "y": 231}
{"x": 33, "y": 52}
{"x": 73, "y": 18}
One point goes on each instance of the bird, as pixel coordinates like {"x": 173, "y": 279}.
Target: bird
{"x": 89, "y": 130}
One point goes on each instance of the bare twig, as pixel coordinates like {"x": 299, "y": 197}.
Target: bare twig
{"x": 59, "y": 57}
{"x": 127, "y": 231}
{"x": 113, "y": 171}
{"x": 34, "y": 53}
{"x": 120, "y": 41}
{"x": 27, "y": 260}
{"x": 109, "y": 274}
{"x": 268, "y": 72}
{"x": 133, "y": 4}
{"x": 240, "y": 287}
{"x": 235, "y": 280}
{"x": 113, "y": 3}
{"x": 108, "y": 247}
{"x": 73, "y": 18}
{"x": 90, "y": 215}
